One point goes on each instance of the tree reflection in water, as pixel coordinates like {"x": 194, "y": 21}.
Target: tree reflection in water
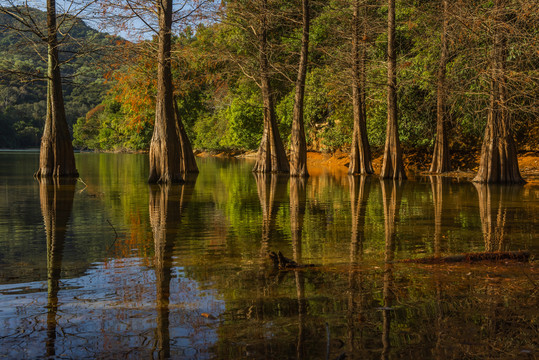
{"x": 439, "y": 186}
{"x": 167, "y": 202}
{"x": 391, "y": 196}
{"x": 271, "y": 193}
{"x": 495, "y": 212}
{"x": 297, "y": 213}
{"x": 359, "y": 195}
{"x": 56, "y": 199}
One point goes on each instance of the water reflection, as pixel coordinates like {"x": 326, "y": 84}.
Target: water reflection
{"x": 496, "y": 212}
{"x": 359, "y": 196}
{"x": 298, "y": 198}
{"x": 56, "y": 199}
{"x": 439, "y": 186}
{"x": 167, "y": 202}
{"x": 271, "y": 193}
{"x": 391, "y": 197}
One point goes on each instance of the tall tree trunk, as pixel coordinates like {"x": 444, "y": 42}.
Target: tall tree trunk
{"x": 392, "y": 166}
{"x": 165, "y": 148}
{"x": 498, "y": 163}
{"x": 441, "y": 161}
{"x": 298, "y": 145}
{"x": 360, "y": 153}
{"x": 271, "y": 157}
{"x": 188, "y": 161}
{"x": 56, "y": 157}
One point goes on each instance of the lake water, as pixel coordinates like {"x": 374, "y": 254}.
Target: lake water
{"x": 110, "y": 267}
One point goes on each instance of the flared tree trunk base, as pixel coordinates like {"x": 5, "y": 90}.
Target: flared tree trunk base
{"x": 56, "y": 159}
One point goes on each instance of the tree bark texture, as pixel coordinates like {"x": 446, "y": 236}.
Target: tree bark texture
{"x": 498, "y": 162}
{"x": 271, "y": 157}
{"x": 188, "y": 161}
{"x": 441, "y": 161}
{"x": 56, "y": 157}
{"x": 165, "y": 148}
{"x": 56, "y": 198}
{"x": 360, "y": 153}
{"x": 392, "y": 166}
{"x": 298, "y": 143}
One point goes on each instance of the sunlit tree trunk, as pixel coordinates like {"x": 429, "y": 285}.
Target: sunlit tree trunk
{"x": 498, "y": 163}
{"x": 188, "y": 161}
{"x": 441, "y": 161}
{"x": 271, "y": 157}
{"x": 360, "y": 153}
{"x": 392, "y": 166}
{"x": 56, "y": 157}
{"x": 56, "y": 198}
{"x": 298, "y": 144}
{"x": 165, "y": 148}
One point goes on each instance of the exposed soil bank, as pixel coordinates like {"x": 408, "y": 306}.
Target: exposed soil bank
{"x": 464, "y": 163}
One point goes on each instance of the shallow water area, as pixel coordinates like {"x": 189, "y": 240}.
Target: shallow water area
{"x": 110, "y": 267}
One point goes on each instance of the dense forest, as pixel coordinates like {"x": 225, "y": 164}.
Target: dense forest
{"x": 215, "y": 69}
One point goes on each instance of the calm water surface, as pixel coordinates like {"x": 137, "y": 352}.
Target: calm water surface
{"x": 110, "y": 267}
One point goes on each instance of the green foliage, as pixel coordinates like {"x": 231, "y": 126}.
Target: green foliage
{"x": 244, "y": 119}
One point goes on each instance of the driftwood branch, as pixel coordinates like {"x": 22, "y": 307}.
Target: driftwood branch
{"x": 281, "y": 262}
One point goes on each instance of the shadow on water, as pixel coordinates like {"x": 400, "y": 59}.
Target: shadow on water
{"x": 56, "y": 198}
{"x": 167, "y": 203}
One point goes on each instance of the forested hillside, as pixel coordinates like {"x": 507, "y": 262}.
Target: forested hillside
{"x": 23, "y": 87}
{"x": 216, "y": 72}
{"x": 216, "y": 75}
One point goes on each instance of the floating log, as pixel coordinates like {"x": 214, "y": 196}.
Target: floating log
{"x": 472, "y": 257}
{"x": 282, "y": 262}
